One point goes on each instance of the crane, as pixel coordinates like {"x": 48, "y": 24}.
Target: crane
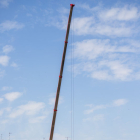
{"x": 61, "y": 73}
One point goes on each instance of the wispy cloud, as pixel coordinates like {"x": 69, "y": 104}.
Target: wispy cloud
{"x": 1, "y": 112}
{"x": 5, "y": 3}
{"x": 120, "y": 102}
{"x": 93, "y": 108}
{"x": 4, "y": 60}
{"x": 12, "y": 96}
{"x": 114, "y": 55}
{"x": 30, "y": 108}
{"x": 9, "y": 25}
{"x": 14, "y": 64}
{"x": 60, "y": 21}
{"x": 89, "y": 26}
{"x": 108, "y": 22}
{"x": 7, "y": 49}
{"x": 123, "y": 13}
{"x": 111, "y": 22}
{"x": 107, "y": 59}
{"x": 7, "y": 109}
{"x": 5, "y": 88}
{"x": 4, "y": 121}
{"x": 37, "y": 119}
{"x": 1, "y": 99}
{"x": 95, "y": 118}
{"x": 115, "y": 103}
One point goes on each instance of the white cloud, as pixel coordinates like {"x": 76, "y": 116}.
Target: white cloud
{"x": 63, "y": 10}
{"x": 12, "y": 96}
{"x": 88, "y": 26}
{"x": 118, "y": 70}
{"x": 30, "y": 108}
{"x": 8, "y": 109}
{"x": 51, "y": 101}
{"x": 95, "y": 118}
{"x": 125, "y": 13}
{"x": 120, "y": 102}
{"x": 4, "y": 60}
{"x": 93, "y": 108}
{"x": 83, "y": 26}
{"x": 5, "y": 3}
{"x": 1, "y": 99}
{"x": 14, "y": 64}
{"x": 60, "y": 23}
{"x": 4, "y": 109}
{"x": 37, "y": 119}
{"x": 9, "y": 25}
{"x": 1, "y": 112}
{"x": 6, "y": 88}
{"x": 111, "y": 22}
{"x": 7, "y": 49}
{"x": 4, "y": 121}
{"x": 108, "y": 30}
{"x": 93, "y": 48}
{"x": 101, "y": 75}
{"x": 98, "y": 117}
{"x": 107, "y": 59}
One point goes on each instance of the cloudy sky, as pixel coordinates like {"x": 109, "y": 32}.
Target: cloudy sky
{"x": 100, "y": 86}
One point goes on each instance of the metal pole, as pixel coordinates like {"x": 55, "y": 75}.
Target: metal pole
{"x": 9, "y": 135}
{"x": 1, "y": 136}
{"x": 61, "y": 73}
{"x": 67, "y": 138}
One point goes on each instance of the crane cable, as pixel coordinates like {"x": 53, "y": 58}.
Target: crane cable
{"x": 72, "y": 80}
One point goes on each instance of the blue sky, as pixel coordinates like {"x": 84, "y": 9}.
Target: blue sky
{"x": 105, "y": 47}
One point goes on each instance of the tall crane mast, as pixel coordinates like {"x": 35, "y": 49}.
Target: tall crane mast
{"x": 61, "y": 73}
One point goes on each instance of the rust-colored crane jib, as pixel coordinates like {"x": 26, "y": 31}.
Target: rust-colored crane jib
{"x": 61, "y": 72}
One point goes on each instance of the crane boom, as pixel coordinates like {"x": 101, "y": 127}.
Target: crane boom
{"x": 61, "y": 73}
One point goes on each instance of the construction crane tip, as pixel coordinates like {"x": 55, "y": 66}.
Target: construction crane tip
{"x": 72, "y": 5}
